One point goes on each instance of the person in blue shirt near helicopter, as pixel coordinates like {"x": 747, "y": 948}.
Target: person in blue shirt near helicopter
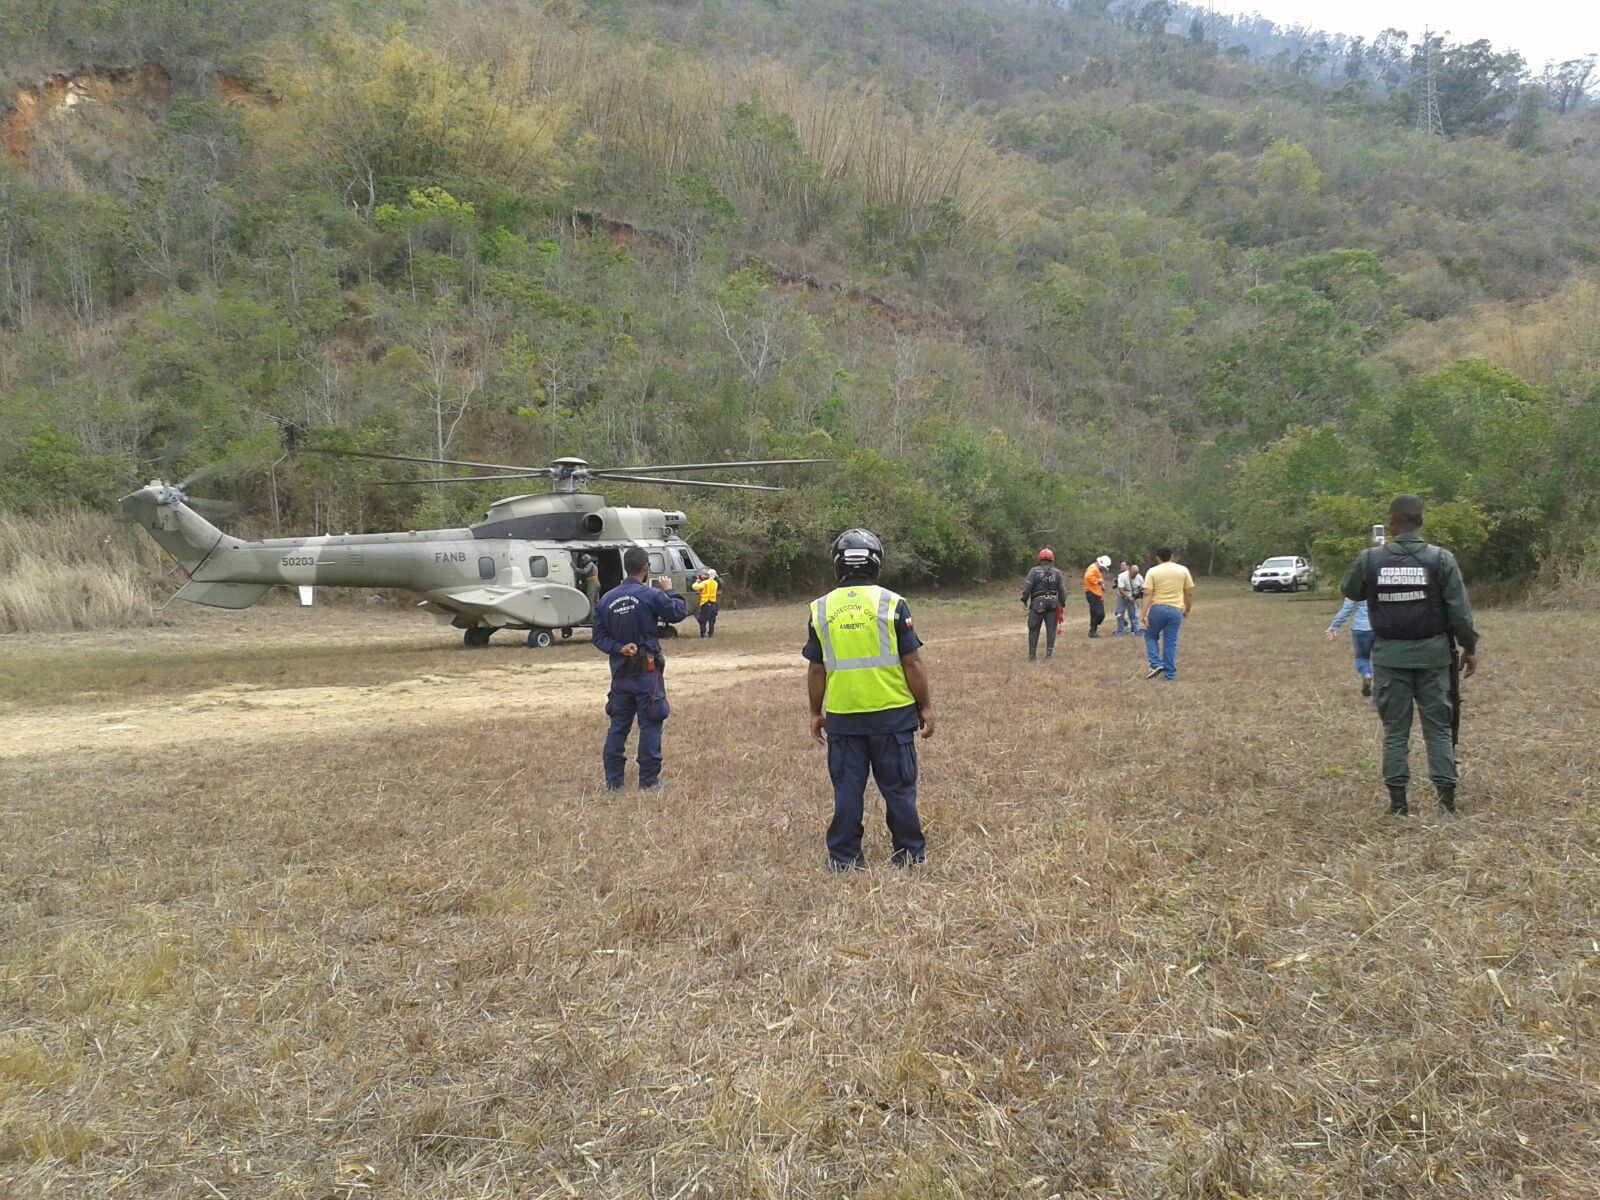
{"x": 626, "y": 627}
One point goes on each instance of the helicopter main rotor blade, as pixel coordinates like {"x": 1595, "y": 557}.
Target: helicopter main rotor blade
{"x": 461, "y": 479}
{"x": 716, "y": 466}
{"x": 704, "y": 483}
{"x": 523, "y": 472}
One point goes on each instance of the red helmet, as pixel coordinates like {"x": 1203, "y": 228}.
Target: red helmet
{"x": 1047, "y": 555}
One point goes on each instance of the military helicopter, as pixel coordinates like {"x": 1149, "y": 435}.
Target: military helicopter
{"x": 518, "y": 568}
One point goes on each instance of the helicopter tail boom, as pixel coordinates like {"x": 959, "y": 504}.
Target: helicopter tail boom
{"x": 160, "y": 510}
{"x": 222, "y": 595}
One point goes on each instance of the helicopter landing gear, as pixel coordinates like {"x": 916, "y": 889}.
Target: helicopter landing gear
{"x": 566, "y": 633}
{"x": 476, "y": 637}
{"x": 539, "y": 639}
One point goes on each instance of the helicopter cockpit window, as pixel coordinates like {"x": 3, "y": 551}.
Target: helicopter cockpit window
{"x": 538, "y": 567}
{"x": 683, "y": 560}
{"x": 486, "y": 567}
{"x": 658, "y": 562}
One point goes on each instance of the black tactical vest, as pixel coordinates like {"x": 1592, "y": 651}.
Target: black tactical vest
{"x": 1048, "y": 589}
{"x": 1404, "y": 600}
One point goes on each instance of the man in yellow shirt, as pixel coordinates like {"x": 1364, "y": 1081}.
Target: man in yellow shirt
{"x": 706, "y": 588}
{"x": 1168, "y": 597}
{"x": 1094, "y": 591}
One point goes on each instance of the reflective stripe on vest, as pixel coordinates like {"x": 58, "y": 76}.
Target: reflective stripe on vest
{"x": 863, "y": 662}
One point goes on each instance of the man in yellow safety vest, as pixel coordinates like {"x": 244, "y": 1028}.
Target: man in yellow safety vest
{"x": 706, "y": 588}
{"x": 869, "y": 696}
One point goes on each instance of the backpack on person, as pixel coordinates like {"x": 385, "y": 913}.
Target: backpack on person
{"x": 1048, "y": 601}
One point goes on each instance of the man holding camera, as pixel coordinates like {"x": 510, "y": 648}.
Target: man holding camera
{"x": 626, "y": 627}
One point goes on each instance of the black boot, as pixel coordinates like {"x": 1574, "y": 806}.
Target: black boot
{"x": 1447, "y": 799}
{"x": 1397, "y": 802}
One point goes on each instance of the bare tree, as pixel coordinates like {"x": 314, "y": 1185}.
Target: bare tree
{"x": 1568, "y": 83}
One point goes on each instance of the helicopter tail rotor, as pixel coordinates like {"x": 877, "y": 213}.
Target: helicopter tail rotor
{"x": 215, "y": 508}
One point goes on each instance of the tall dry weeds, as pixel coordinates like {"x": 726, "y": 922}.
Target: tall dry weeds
{"x": 74, "y": 570}
{"x": 1549, "y": 340}
{"x": 669, "y": 116}
{"x": 1570, "y": 587}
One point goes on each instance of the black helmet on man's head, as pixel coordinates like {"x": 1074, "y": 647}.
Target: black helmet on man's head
{"x": 857, "y": 552}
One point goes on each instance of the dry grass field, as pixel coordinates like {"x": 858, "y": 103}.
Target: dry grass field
{"x": 318, "y": 905}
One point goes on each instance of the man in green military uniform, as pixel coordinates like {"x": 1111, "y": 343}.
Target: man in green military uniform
{"x": 1419, "y": 610}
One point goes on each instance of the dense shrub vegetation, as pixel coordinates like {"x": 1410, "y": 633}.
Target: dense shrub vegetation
{"x": 1031, "y": 273}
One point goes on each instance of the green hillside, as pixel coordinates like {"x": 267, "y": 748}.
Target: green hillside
{"x": 1031, "y": 273}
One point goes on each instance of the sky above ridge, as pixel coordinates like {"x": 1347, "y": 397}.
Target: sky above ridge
{"x": 1540, "y": 30}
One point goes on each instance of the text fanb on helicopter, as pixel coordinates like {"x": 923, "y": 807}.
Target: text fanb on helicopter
{"x": 515, "y": 569}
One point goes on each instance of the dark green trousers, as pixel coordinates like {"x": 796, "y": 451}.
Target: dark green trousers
{"x": 1396, "y": 690}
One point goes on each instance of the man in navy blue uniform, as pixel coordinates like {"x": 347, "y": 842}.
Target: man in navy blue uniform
{"x": 625, "y": 627}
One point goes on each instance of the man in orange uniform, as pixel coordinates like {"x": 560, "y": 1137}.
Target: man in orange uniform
{"x": 1094, "y": 591}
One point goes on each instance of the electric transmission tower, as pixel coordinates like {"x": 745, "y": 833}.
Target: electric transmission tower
{"x": 1428, "y": 118}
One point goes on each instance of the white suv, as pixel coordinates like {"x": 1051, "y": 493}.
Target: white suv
{"x": 1282, "y": 575}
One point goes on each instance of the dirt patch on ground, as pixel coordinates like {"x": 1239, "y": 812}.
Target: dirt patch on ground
{"x": 287, "y": 674}
{"x": 256, "y": 713}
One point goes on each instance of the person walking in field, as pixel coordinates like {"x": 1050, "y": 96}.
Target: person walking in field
{"x": 869, "y": 695}
{"x": 1418, "y": 608}
{"x": 1361, "y": 637}
{"x": 707, "y": 588}
{"x": 1168, "y": 599}
{"x": 1094, "y": 592}
{"x": 1130, "y": 590}
{"x": 1043, "y": 591}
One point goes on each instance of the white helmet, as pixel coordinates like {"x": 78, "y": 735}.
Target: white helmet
{"x": 1103, "y": 562}
{"x": 712, "y": 572}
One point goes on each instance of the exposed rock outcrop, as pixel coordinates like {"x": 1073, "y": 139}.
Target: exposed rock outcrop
{"x": 148, "y": 87}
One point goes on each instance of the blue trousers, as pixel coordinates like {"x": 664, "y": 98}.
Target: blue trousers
{"x": 706, "y": 614}
{"x": 644, "y": 698}
{"x": 1161, "y": 638}
{"x": 1362, "y": 640}
{"x": 891, "y": 758}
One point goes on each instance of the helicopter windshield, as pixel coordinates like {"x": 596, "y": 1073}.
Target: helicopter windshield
{"x": 688, "y": 560}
